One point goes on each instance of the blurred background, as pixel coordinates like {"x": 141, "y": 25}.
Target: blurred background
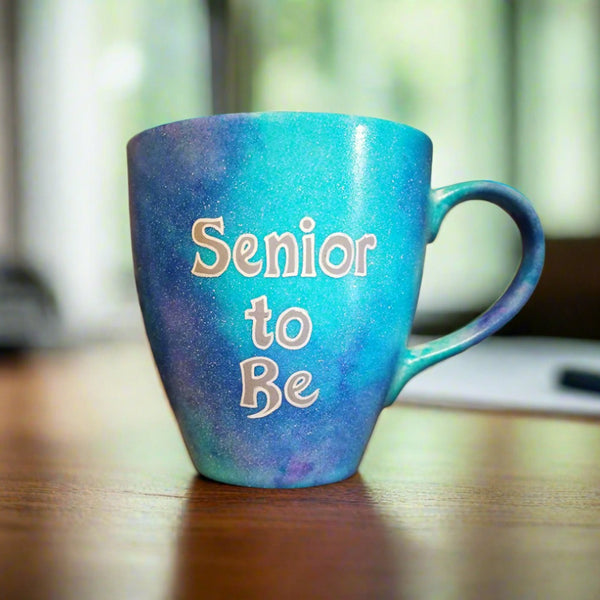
{"x": 507, "y": 90}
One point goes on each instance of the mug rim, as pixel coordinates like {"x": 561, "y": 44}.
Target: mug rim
{"x": 358, "y": 119}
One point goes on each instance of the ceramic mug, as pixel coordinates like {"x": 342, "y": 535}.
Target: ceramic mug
{"x": 278, "y": 260}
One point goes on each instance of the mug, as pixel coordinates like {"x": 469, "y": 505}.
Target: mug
{"x": 278, "y": 259}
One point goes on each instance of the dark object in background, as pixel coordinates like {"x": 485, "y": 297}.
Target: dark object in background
{"x": 579, "y": 379}
{"x": 566, "y": 302}
{"x": 28, "y": 310}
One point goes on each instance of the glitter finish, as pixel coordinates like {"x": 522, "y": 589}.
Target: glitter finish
{"x": 277, "y": 363}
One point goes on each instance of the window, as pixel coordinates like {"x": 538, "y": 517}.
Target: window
{"x": 508, "y": 90}
{"x": 91, "y": 75}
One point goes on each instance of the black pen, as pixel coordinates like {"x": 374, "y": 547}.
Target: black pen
{"x": 580, "y": 379}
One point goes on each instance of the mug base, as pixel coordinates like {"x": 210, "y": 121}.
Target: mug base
{"x": 276, "y": 483}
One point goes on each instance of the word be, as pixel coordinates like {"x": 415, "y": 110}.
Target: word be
{"x": 354, "y": 252}
{"x": 253, "y": 383}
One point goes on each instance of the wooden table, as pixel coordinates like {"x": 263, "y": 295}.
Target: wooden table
{"x": 98, "y": 499}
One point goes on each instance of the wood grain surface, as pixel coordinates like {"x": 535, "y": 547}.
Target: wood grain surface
{"x": 98, "y": 499}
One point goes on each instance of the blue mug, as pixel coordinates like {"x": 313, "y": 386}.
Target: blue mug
{"x": 278, "y": 260}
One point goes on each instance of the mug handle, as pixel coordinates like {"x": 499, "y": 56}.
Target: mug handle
{"x": 512, "y": 300}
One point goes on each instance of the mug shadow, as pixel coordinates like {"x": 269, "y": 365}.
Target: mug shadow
{"x": 321, "y": 542}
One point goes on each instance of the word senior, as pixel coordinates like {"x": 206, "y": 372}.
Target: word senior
{"x": 304, "y": 263}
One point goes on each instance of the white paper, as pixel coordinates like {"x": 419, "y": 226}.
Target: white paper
{"x": 510, "y": 374}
